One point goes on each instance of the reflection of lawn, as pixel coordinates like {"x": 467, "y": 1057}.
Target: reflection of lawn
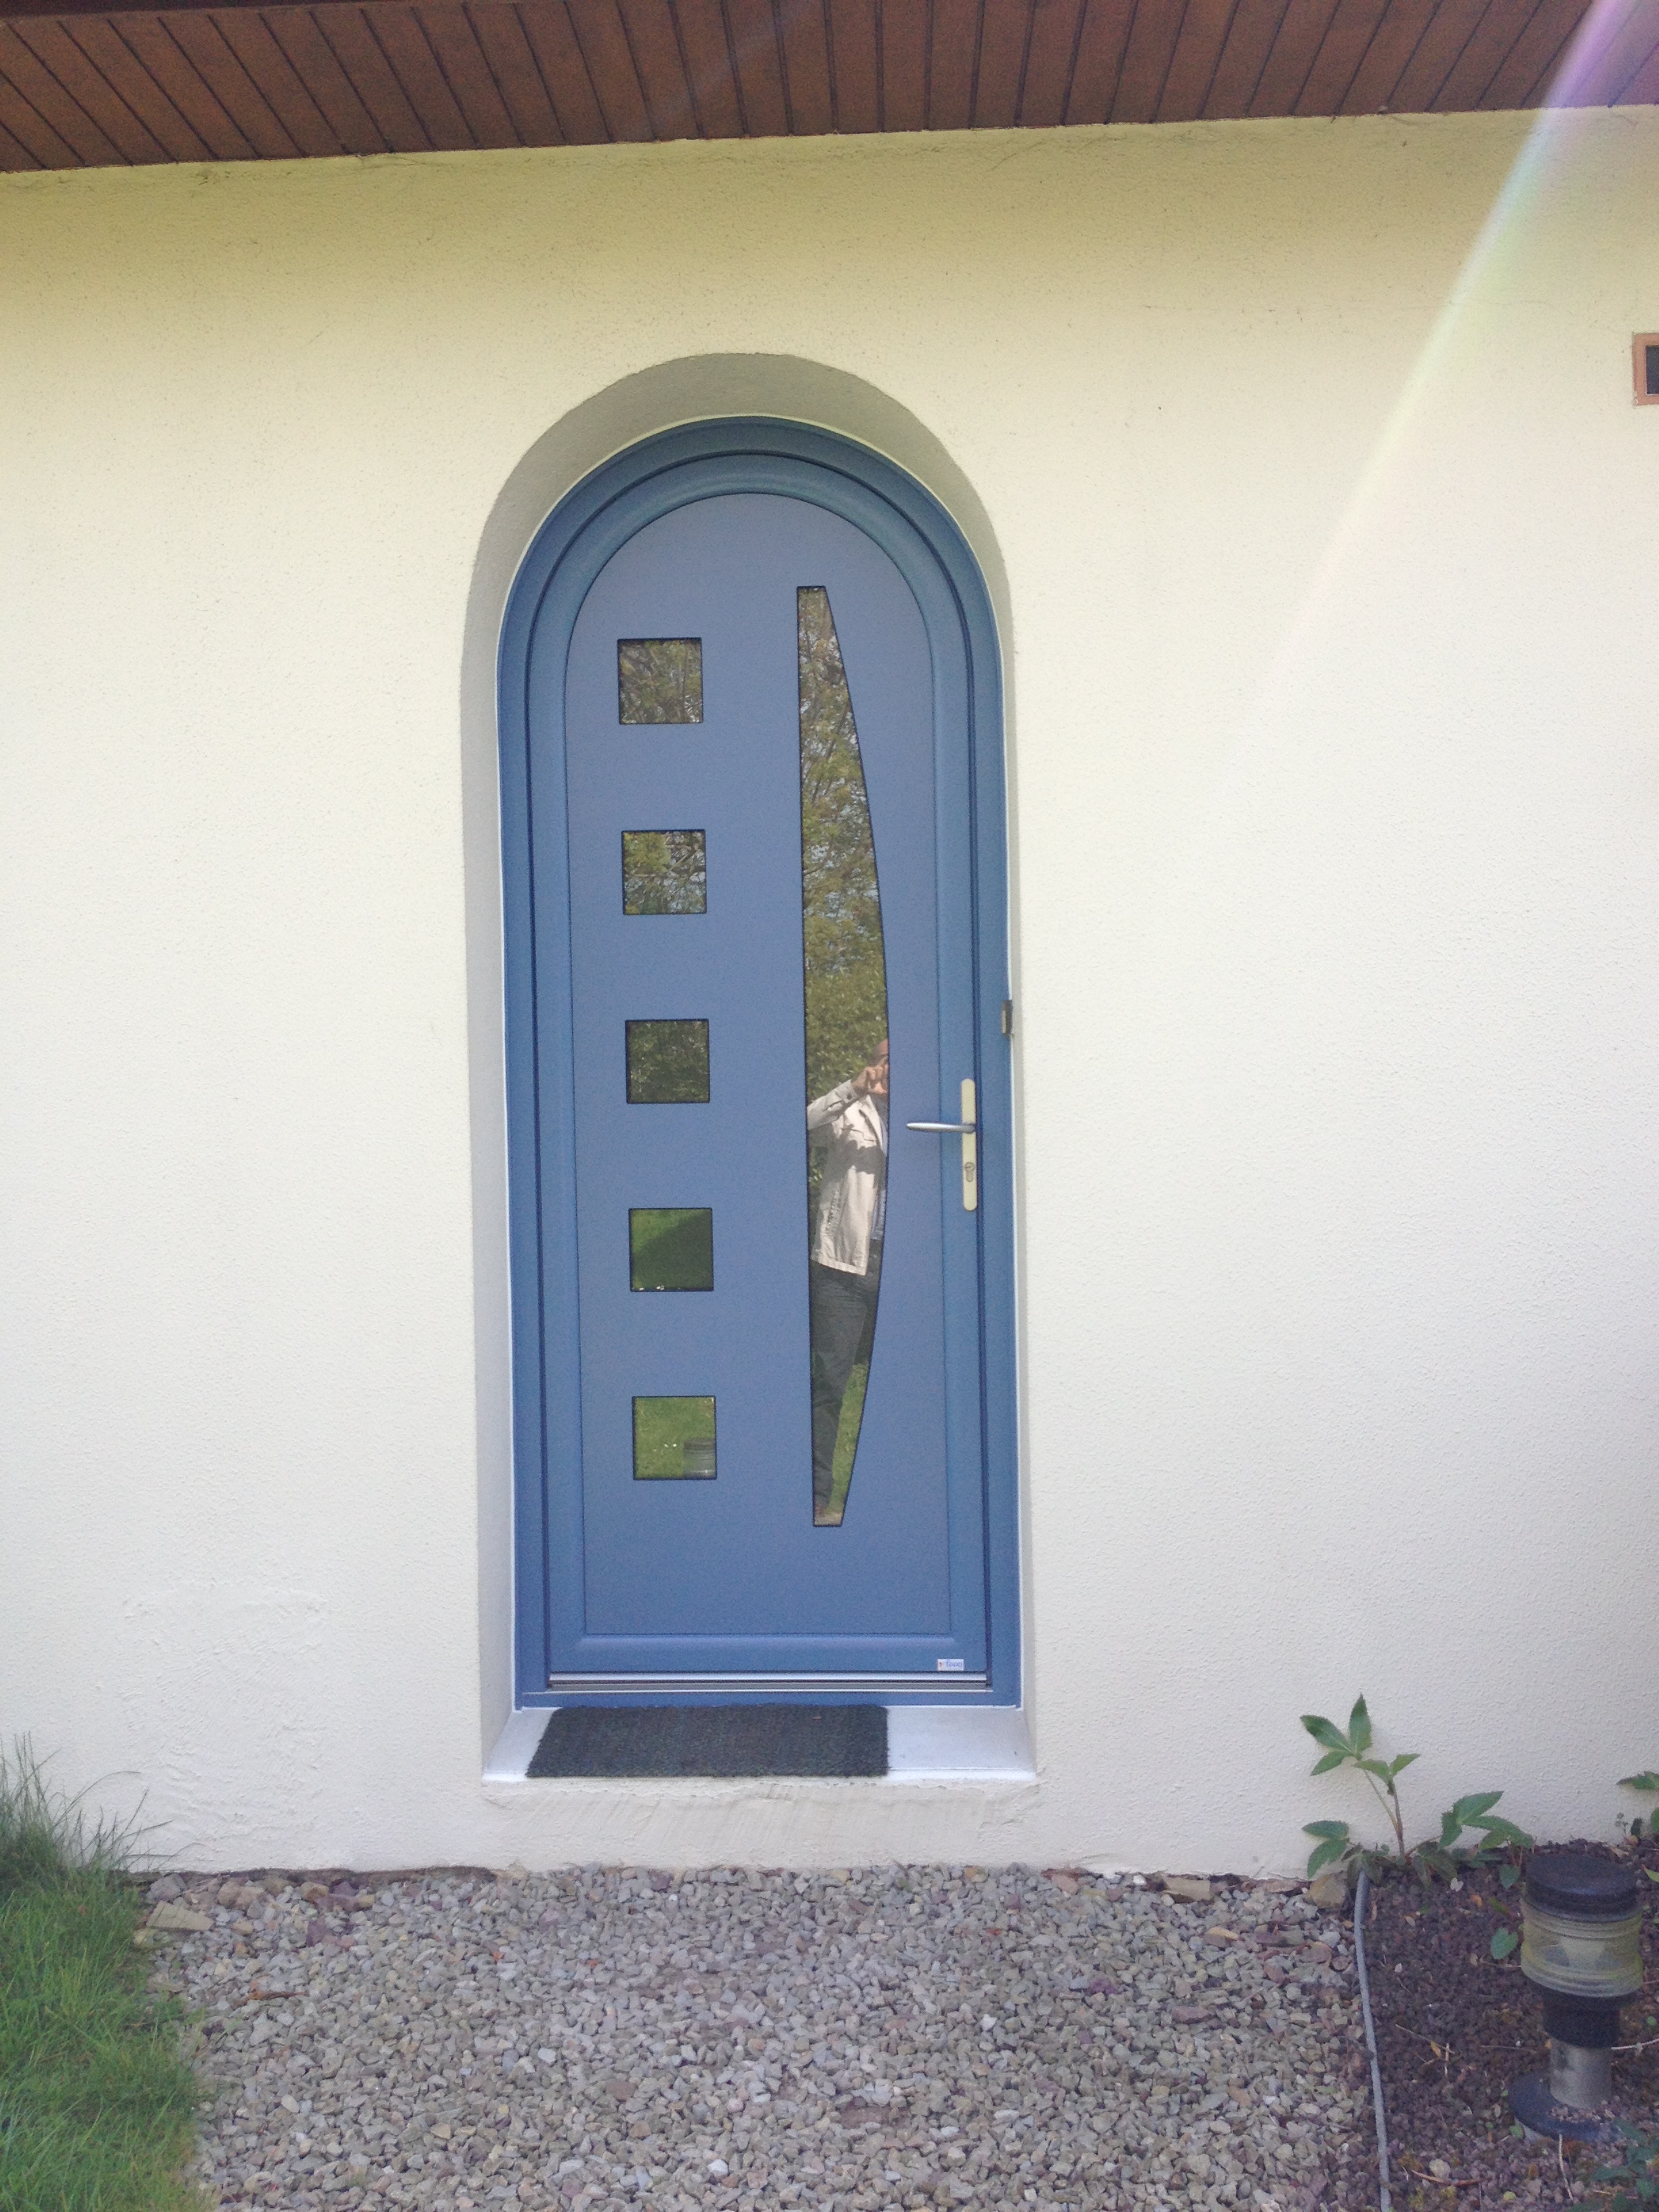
{"x": 671, "y": 1247}
{"x": 663, "y": 1426}
{"x": 847, "y": 1438}
{"x": 661, "y": 1429}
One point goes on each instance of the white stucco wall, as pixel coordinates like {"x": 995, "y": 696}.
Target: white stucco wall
{"x": 1335, "y": 793}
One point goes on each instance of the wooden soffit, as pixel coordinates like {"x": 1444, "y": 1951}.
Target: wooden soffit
{"x": 91, "y": 86}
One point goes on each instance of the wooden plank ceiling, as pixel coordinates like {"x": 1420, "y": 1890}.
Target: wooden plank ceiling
{"x": 89, "y": 85}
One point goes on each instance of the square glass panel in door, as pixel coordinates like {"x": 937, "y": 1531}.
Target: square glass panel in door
{"x": 845, "y": 980}
{"x": 663, "y": 872}
{"x": 659, "y": 679}
{"x": 674, "y": 1440}
{"x": 668, "y": 1063}
{"x": 671, "y": 1248}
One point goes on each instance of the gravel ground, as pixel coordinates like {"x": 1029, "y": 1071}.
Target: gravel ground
{"x": 896, "y": 2038}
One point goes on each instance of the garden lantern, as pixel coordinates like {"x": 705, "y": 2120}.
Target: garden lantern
{"x": 1581, "y": 1945}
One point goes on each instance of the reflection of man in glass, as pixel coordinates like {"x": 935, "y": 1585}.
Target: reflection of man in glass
{"x": 848, "y": 1128}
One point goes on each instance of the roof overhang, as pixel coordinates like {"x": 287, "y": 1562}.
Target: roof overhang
{"x": 90, "y": 86}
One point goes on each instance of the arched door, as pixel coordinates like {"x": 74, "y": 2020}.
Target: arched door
{"x": 759, "y": 1116}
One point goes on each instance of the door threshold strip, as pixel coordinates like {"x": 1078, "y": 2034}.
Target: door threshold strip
{"x": 867, "y": 1685}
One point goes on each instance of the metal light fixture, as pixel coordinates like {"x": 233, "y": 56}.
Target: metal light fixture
{"x": 1582, "y": 1944}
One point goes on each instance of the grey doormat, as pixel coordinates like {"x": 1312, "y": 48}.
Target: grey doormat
{"x": 712, "y": 1740}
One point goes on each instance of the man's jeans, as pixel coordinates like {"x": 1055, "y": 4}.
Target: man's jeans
{"x": 843, "y": 1323}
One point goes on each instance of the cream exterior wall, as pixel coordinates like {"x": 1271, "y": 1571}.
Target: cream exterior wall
{"x": 1335, "y": 812}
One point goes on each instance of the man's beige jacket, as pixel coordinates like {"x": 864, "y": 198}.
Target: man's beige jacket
{"x": 848, "y": 1130}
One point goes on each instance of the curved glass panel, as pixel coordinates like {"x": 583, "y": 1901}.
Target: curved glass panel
{"x": 846, "y": 979}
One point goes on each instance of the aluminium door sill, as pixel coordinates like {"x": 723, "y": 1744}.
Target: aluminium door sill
{"x": 873, "y": 1686}
{"x": 985, "y": 1744}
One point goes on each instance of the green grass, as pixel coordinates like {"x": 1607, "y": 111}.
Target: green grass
{"x": 96, "y": 2099}
{"x": 847, "y": 1438}
{"x": 662, "y": 1428}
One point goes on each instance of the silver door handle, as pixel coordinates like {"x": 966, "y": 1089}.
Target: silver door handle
{"x": 968, "y": 1130}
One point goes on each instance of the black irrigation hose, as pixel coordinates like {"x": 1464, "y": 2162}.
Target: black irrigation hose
{"x": 1360, "y": 1896}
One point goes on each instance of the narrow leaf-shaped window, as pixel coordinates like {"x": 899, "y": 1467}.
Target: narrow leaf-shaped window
{"x": 847, "y": 1081}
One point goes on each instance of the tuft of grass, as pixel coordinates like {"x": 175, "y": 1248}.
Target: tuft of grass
{"x": 45, "y": 1836}
{"x": 96, "y": 2099}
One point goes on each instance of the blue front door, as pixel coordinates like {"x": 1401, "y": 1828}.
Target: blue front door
{"x": 763, "y": 1436}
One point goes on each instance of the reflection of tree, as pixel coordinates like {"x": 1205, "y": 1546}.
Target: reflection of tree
{"x": 659, "y": 679}
{"x": 845, "y": 967}
{"x": 667, "y": 1063}
{"x": 663, "y": 872}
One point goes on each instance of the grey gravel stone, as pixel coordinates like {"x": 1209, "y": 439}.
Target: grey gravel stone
{"x": 899, "y": 2038}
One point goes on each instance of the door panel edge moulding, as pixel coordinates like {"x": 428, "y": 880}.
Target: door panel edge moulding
{"x": 583, "y": 1629}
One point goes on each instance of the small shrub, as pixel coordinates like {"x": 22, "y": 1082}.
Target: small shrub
{"x": 1445, "y": 1855}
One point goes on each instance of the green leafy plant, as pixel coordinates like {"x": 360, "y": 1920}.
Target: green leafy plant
{"x": 1446, "y": 1854}
{"x": 1648, "y": 1781}
{"x": 1629, "y": 2183}
{"x": 1335, "y": 1842}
